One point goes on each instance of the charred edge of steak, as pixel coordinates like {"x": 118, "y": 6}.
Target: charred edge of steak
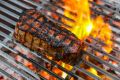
{"x": 38, "y": 33}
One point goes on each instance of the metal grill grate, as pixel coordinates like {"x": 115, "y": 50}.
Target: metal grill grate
{"x": 10, "y": 11}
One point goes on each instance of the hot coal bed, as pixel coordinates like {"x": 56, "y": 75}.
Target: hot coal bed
{"x": 28, "y": 62}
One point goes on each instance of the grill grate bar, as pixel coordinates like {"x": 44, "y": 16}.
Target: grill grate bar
{"x": 104, "y": 14}
{"x": 101, "y": 70}
{"x": 11, "y": 59}
{"x": 31, "y": 60}
{"x": 6, "y": 27}
{"x": 39, "y": 55}
{"x": 97, "y": 40}
{"x": 3, "y": 34}
{"x": 104, "y": 7}
{"x": 20, "y": 72}
{"x": 21, "y": 4}
{"x": 90, "y": 74}
{"x": 118, "y": 42}
{"x": 116, "y": 31}
{"x": 16, "y": 69}
{"x": 114, "y": 41}
{"x": 86, "y": 72}
{"x": 60, "y": 14}
{"x": 102, "y": 61}
{"x": 93, "y": 9}
{"x": 9, "y": 12}
{"x": 50, "y": 10}
{"x": 103, "y": 52}
{"x": 11, "y": 6}
{"x": 2, "y": 72}
{"x": 95, "y": 57}
{"x": 7, "y": 19}
{"x": 9, "y": 38}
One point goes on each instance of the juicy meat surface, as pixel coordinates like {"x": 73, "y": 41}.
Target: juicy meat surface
{"x": 38, "y": 33}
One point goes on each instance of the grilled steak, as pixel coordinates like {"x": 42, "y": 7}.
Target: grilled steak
{"x": 38, "y": 33}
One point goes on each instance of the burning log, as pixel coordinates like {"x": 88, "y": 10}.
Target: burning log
{"x": 38, "y": 33}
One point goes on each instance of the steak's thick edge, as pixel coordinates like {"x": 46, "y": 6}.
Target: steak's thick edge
{"x": 38, "y": 33}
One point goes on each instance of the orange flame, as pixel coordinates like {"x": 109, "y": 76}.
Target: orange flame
{"x": 83, "y": 24}
{"x": 102, "y": 31}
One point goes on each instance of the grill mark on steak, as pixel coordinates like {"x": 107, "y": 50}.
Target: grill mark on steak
{"x": 38, "y": 33}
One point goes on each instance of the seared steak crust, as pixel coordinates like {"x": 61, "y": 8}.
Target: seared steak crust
{"x": 38, "y": 33}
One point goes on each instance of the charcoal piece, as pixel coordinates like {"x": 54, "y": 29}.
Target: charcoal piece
{"x": 39, "y": 34}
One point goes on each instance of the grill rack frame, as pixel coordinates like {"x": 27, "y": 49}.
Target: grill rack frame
{"x": 4, "y": 18}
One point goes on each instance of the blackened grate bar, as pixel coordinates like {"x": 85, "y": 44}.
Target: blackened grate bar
{"x": 13, "y": 8}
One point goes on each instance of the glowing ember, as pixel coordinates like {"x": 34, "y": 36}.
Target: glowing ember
{"x": 63, "y": 74}
{"x": 68, "y": 67}
{"x": 93, "y": 71}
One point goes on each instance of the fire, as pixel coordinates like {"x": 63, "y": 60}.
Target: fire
{"x": 85, "y": 26}
{"x": 102, "y": 31}
{"x": 68, "y": 67}
{"x": 82, "y": 26}
{"x": 93, "y": 71}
